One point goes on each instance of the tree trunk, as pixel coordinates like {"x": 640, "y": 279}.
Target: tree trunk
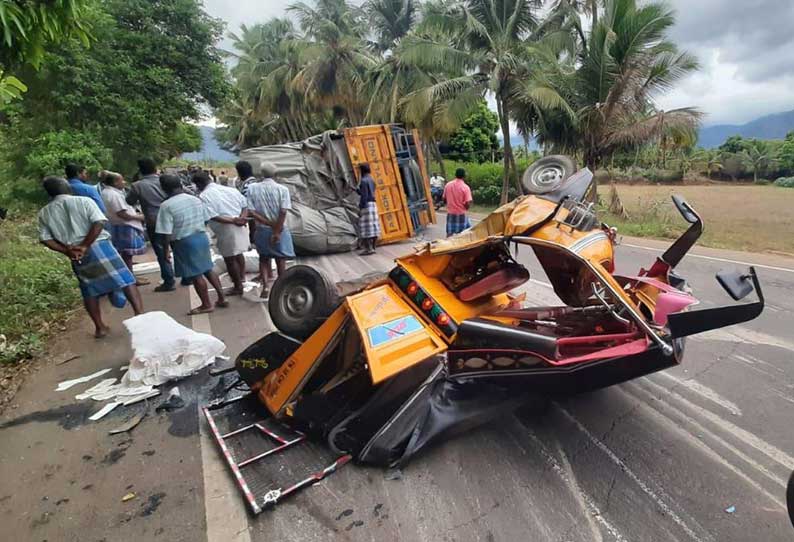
{"x": 440, "y": 159}
{"x": 506, "y": 145}
{"x": 509, "y": 161}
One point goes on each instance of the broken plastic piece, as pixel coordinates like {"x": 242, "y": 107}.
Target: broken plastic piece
{"x": 173, "y": 402}
{"x": 731, "y": 509}
{"x": 129, "y": 424}
{"x": 103, "y": 411}
{"x": 67, "y": 358}
{"x": 66, "y": 384}
{"x": 128, "y": 497}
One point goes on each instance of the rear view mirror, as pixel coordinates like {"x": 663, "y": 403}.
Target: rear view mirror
{"x": 738, "y": 285}
{"x": 685, "y": 209}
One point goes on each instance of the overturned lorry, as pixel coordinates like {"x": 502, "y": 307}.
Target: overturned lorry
{"x": 322, "y": 175}
{"x": 377, "y": 370}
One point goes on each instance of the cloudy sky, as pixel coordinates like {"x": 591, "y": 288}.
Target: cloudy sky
{"x": 746, "y": 50}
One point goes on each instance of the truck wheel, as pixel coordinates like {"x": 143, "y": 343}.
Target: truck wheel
{"x": 547, "y": 174}
{"x": 300, "y": 300}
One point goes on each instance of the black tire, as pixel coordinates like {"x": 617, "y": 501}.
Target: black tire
{"x": 547, "y": 174}
{"x": 790, "y": 498}
{"x": 300, "y": 300}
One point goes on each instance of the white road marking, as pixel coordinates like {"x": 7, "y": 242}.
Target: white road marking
{"x": 726, "y": 260}
{"x": 676, "y": 425}
{"x": 224, "y": 510}
{"x": 705, "y": 392}
{"x": 660, "y": 502}
{"x": 592, "y": 507}
{"x": 769, "y": 450}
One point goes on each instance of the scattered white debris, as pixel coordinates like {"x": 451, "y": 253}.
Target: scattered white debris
{"x": 101, "y": 387}
{"x": 65, "y": 385}
{"x": 103, "y": 411}
{"x": 731, "y": 509}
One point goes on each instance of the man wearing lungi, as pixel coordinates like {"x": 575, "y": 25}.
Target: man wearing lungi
{"x": 229, "y": 209}
{"x": 148, "y": 192}
{"x": 74, "y": 226}
{"x": 269, "y": 202}
{"x": 368, "y": 220}
{"x": 457, "y": 195}
{"x": 182, "y": 219}
{"x": 126, "y": 225}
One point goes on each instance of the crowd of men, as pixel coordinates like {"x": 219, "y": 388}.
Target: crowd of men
{"x": 100, "y": 228}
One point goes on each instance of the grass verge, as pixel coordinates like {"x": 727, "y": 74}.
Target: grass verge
{"x": 37, "y": 290}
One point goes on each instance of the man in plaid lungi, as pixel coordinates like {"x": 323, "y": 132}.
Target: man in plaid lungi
{"x": 74, "y": 226}
{"x": 457, "y": 194}
{"x": 368, "y": 221}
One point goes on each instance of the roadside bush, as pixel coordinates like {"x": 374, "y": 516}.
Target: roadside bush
{"x": 785, "y": 182}
{"x": 37, "y": 289}
{"x": 485, "y": 179}
{"x": 663, "y": 175}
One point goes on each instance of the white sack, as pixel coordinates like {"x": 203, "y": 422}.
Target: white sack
{"x": 163, "y": 350}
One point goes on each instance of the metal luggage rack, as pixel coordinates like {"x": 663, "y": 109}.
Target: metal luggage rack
{"x": 269, "y": 460}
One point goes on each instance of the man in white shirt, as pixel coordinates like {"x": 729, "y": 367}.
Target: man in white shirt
{"x": 74, "y": 226}
{"x": 230, "y": 210}
{"x": 269, "y": 202}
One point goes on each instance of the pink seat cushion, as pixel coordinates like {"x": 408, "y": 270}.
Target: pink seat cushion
{"x": 498, "y": 282}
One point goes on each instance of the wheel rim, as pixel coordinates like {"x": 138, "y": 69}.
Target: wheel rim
{"x": 547, "y": 177}
{"x": 297, "y": 301}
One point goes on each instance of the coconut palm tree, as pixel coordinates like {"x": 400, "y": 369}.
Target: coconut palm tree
{"x": 486, "y": 48}
{"x": 708, "y": 160}
{"x": 758, "y": 156}
{"x": 625, "y": 63}
{"x": 391, "y": 20}
{"x": 335, "y": 57}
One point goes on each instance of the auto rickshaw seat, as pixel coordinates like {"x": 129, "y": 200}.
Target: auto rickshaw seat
{"x": 504, "y": 279}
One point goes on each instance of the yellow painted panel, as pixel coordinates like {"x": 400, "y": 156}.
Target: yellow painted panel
{"x": 394, "y": 335}
{"x": 373, "y": 145}
{"x": 286, "y": 382}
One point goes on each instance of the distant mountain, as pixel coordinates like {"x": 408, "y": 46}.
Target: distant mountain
{"x": 210, "y": 149}
{"x": 769, "y": 127}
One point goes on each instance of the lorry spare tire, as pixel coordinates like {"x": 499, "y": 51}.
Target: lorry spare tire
{"x": 300, "y": 300}
{"x": 547, "y": 174}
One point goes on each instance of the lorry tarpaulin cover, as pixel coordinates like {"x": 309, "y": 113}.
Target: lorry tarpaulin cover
{"x": 322, "y": 187}
{"x": 441, "y": 407}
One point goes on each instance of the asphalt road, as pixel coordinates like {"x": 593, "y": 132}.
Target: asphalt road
{"x": 660, "y": 458}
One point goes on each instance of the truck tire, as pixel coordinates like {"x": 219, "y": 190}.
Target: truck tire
{"x": 547, "y": 174}
{"x": 300, "y": 300}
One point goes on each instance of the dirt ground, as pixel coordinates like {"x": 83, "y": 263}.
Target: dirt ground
{"x": 746, "y": 217}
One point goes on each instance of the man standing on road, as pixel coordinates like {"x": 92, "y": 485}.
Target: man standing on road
{"x": 148, "y": 192}
{"x": 77, "y": 177}
{"x": 245, "y": 177}
{"x": 269, "y": 202}
{"x": 368, "y": 219}
{"x": 457, "y": 195}
{"x": 181, "y": 220}
{"x": 74, "y": 226}
{"x": 229, "y": 210}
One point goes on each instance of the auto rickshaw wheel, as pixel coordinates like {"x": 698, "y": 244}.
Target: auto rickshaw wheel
{"x": 300, "y": 300}
{"x": 547, "y": 174}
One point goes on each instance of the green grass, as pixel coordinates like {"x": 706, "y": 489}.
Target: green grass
{"x": 37, "y": 290}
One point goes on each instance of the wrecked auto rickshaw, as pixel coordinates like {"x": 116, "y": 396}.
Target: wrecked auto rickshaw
{"x": 377, "y": 370}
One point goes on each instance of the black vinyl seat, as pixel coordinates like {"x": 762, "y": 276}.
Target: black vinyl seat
{"x": 483, "y": 334}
